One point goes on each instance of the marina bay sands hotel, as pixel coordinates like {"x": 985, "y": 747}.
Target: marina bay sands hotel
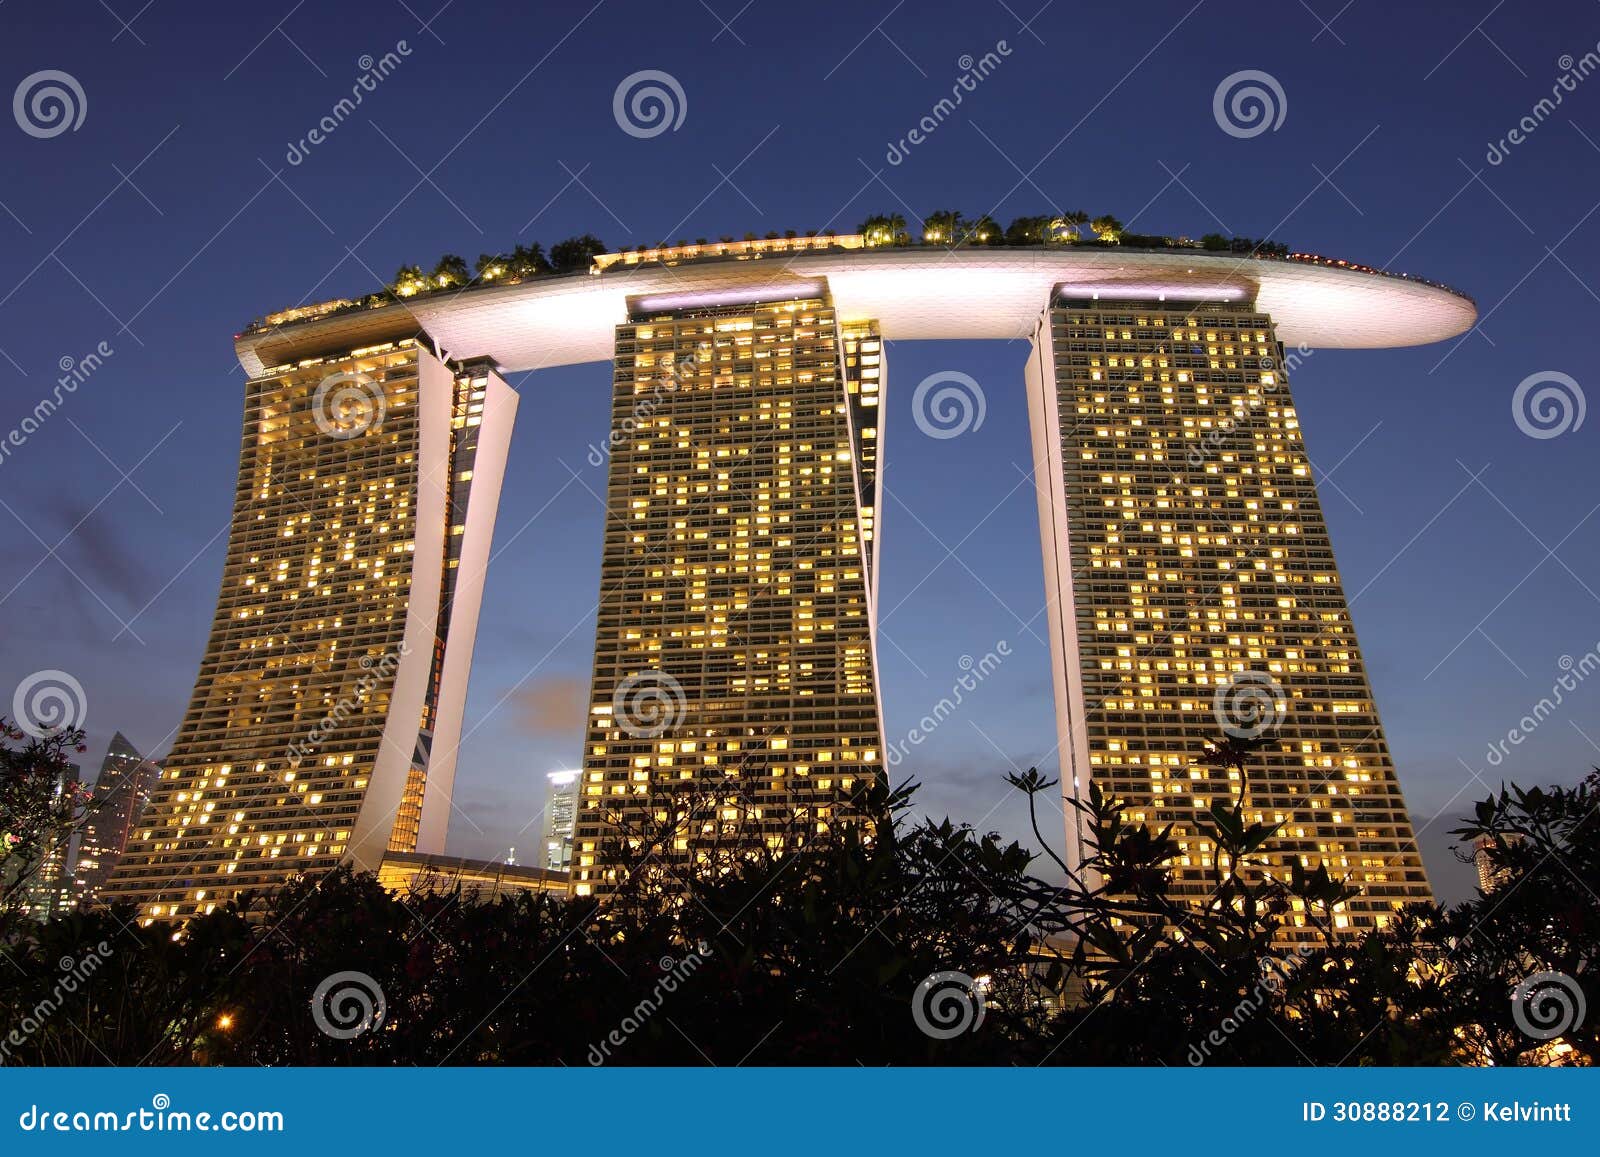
{"x": 1190, "y": 582}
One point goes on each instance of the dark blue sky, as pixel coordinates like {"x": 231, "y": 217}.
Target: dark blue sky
{"x": 159, "y": 228}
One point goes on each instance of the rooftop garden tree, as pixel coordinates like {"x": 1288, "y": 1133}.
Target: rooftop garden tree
{"x": 942, "y": 227}
{"x": 1027, "y": 231}
{"x": 1065, "y": 228}
{"x": 451, "y": 271}
{"x": 1107, "y": 229}
{"x": 408, "y": 280}
{"x": 884, "y": 229}
{"x": 985, "y": 231}
{"x": 575, "y": 253}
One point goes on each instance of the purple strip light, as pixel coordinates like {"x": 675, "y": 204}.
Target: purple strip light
{"x": 777, "y": 291}
{"x": 1144, "y": 290}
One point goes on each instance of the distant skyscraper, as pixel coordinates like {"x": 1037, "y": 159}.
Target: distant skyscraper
{"x": 735, "y": 687}
{"x": 49, "y": 893}
{"x": 121, "y": 792}
{"x": 560, "y": 812}
{"x": 327, "y": 712}
{"x": 1192, "y": 592}
{"x": 1492, "y": 873}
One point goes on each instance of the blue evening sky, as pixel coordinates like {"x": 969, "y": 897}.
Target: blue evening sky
{"x": 170, "y": 218}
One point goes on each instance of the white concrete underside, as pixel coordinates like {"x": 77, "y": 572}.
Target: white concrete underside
{"x": 914, "y": 293}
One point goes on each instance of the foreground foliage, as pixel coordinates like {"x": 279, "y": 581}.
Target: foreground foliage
{"x": 819, "y": 957}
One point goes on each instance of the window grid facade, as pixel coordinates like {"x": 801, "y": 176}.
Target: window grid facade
{"x": 1191, "y": 556}
{"x": 121, "y": 791}
{"x": 735, "y": 573}
{"x": 319, "y": 674}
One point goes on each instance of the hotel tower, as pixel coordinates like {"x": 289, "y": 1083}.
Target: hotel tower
{"x": 324, "y": 723}
{"x": 735, "y": 690}
{"x": 1191, "y": 588}
{"x": 1192, "y": 594}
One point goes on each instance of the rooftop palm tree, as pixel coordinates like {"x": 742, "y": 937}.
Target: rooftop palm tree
{"x": 884, "y": 229}
{"x": 451, "y": 270}
{"x": 1065, "y": 227}
{"x": 942, "y": 227}
{"x": 408, "y": 279}
{"x": 1027, "y": 231}
{"x": 986, "y": 231}
{"x": 1106, "y": 228}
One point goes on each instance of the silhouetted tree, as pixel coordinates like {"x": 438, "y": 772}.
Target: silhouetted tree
{"x": 41, "y": 806}
{"x": 810, "y": 945}
{"x": 575, "y": 253}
